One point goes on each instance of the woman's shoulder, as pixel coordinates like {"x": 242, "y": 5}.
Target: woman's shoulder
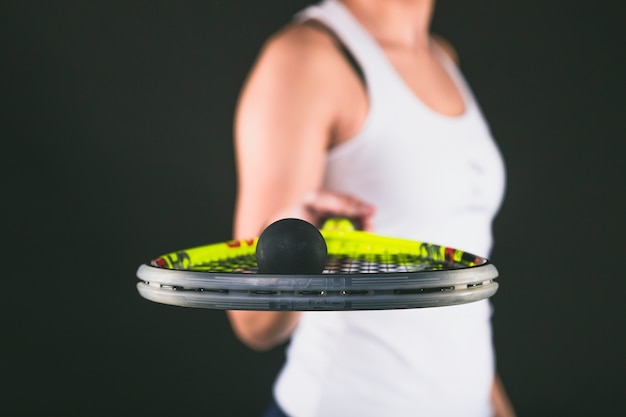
{"x": 306, "y": 46}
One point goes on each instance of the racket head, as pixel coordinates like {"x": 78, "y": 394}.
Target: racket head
{"x": 364, "y": 272}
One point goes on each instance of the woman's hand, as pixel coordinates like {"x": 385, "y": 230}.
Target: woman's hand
{"x": 315, "y": 207}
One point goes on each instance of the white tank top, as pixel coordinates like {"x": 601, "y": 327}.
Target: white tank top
{"x": 432, "y": 178}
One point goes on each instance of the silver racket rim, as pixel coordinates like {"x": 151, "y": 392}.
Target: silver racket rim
{"x": 323, "y": 292}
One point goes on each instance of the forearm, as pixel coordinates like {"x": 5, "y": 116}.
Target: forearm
{"x": 502, "y": 406}
{"x": 262, "y": 330}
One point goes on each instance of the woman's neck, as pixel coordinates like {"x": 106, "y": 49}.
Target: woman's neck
{"x": 395, "y": 22}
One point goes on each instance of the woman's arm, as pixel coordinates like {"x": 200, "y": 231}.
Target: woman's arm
{"x": 284, "y": 124}
{"x": 502, "y": 406}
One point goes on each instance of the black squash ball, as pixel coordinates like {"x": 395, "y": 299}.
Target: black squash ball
{"x": 291, "y": 246}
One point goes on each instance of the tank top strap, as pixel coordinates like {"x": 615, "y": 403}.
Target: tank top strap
{"x": 384, "y": 83}
{"x": 457, "y": 77}
{"x": 370, "y": 57}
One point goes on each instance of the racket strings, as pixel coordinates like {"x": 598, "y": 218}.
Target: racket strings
{"x": 356, "y": 263}
{"x": 243, "y": 264}
{"x": 346, "y": 260}
{"x": 377, "y": 263}
{"x": 372, "y": 263}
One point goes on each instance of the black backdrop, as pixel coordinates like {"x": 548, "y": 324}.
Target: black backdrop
{"x": 116, "y": 147}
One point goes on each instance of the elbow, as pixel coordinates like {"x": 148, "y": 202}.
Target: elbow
{"x": 255, "y": 342}
{"x": 261, "y": 331}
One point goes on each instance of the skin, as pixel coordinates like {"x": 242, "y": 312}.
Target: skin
{"x": 302, "y": 98}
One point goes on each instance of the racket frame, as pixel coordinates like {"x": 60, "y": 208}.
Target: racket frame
{"x": 172, "y": 279}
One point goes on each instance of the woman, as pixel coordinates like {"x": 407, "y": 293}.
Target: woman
{"x": 355, "y": 109}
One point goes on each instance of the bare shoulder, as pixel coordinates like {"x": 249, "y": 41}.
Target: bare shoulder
{"x": 299, "y": 73}
{"x": 310, "y": 37}
{"x": 300, "y": 51}
{"x": 447, "y": 47}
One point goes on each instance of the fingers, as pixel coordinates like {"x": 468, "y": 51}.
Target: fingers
{"x": 318, "y": 206}
{"x": 328, "y": 202}
{"x": 323, "y": 204}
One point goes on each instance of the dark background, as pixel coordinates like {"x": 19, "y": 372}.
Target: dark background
{"x": 116, "y": 147}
